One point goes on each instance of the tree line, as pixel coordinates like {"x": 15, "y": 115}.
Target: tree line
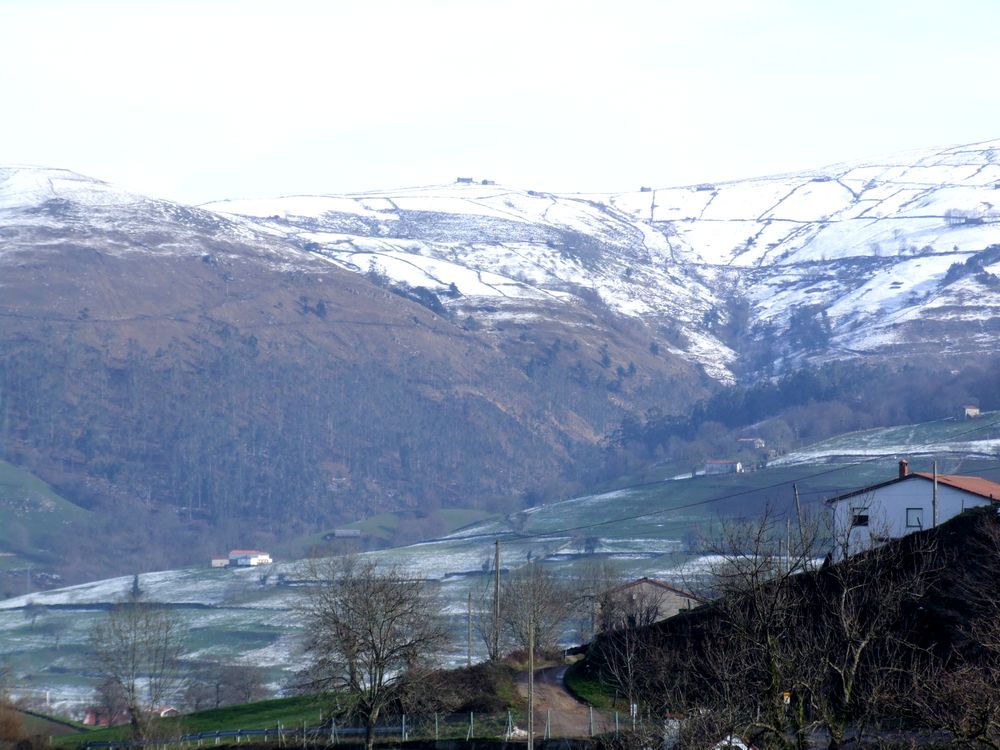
{"x": 808, "y": 405}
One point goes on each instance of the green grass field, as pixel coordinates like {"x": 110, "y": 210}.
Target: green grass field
{"x": 288, "y": 712}
{"x": 33, "y": 517}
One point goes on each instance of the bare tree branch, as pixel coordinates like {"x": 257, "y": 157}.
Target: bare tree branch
{"x": 369, "y": 632}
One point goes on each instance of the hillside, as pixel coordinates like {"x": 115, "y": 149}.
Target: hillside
{"x": 33, "y": 522}
{"x": 168, "y": 368}
{"x": 250, "y": 371}
{"x": 657, "y": 527}
{"x": 851, "y": 260}
{"x": 902, "y": 635}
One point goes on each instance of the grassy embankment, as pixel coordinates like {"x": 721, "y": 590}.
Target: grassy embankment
{"x": 584, "y": 683}
{"x": 484, "y": 689}
{"x": 288, "y": 712}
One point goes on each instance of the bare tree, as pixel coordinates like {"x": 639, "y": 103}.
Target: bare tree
{"x": 215, "y": 685}
{"x": 369, "y": 632}
{"x": 960, "y": 697}
{"x": 112, "y": 703}
{"x": 486, "y": 617}
{"x": 11, "y": 724}
{"x": 958, "y": 690}
{"x": 859, "y": 640}
{"x": 137, "y": 647}
{"x": 533, "y": 597}
{"x": 596, "y": 578}
{"x": 790, "y": 645}
{"x": 749, "y": 654}
{"x": 623, "y": 614}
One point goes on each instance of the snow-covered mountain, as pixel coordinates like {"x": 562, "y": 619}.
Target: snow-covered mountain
{"x": 275, "y": 364}
{"x": 159, "y": 356}
{"x": 848, "y": 260}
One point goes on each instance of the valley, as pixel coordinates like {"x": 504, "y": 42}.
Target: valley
{"x": 443, "y": 366}
{"x": 659, "y": 527}
{"x": 252, "y": 371}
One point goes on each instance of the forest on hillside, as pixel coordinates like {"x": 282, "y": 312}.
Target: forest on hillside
{"x": 808, "y": 405}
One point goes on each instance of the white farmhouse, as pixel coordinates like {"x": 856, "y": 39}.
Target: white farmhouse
{"x": 911, "y": 502}
{"x": 248, "y": 558}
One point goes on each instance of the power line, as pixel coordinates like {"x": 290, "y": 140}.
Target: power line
{"x": 695, "y": 504}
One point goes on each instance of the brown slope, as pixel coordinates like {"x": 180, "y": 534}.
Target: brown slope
{"x": 157, "y": 358}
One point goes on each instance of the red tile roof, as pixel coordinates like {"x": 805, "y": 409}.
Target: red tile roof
{"x": 975, "y": 485}
{"x": 972, "y": 485}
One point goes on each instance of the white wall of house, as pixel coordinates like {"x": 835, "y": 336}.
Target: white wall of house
{"x": 249, "y": 558}
{"x": 896, "y": 510}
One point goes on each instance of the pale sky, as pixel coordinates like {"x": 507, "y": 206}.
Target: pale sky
{"x": 196, "y": 101}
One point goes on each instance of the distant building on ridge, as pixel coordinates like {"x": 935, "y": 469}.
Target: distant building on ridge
{"x": 242, "y": 558}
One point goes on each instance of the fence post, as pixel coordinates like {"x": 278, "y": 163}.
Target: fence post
{"x": 472, "y": 721}
{"x": 403, "y": 732}
{"x": 435, "y": 726}
{"x": 616, "y": 723}
{"x": 548, "y": 723}
{"x": 591, "y": 721}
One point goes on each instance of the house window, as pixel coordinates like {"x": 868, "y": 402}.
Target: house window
{"x": 914, "y": 518}
{"x": 859, "y": 517}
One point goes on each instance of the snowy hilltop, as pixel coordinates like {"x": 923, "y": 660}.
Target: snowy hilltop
{"x": 853, "y": 259}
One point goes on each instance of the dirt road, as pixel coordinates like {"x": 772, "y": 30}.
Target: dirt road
{"x": 567, "y": 716}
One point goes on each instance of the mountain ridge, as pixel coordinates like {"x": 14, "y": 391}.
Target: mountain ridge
{"x": 264, "y": 366}
{"x": 772, "y": 244}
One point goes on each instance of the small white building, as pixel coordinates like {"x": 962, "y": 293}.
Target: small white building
{"x": 905, "y": 504}
{"x": 220, "y": 562}
{"x": 970, "y": 411}
{"x": 248, "y": 558}
{"x": 716, "y": 466}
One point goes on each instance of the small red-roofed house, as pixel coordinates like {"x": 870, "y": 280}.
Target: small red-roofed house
{"x": 248, "y": 558}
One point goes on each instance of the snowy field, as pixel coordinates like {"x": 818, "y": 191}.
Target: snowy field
{"x": 978, "y": 437}
{"x": 239, "y": 616}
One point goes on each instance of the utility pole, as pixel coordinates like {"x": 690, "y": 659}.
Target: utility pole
{"x": 788, "y": 545}
{"x": 531, "y": 681}
{"x": 934, "y": 498}
{"x": 496, "y": 601}
{"x": 798, "y": 509}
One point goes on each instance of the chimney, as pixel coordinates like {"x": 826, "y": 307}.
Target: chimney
{"x": 904, "y": 469}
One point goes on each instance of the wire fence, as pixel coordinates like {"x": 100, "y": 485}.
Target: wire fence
{"x": 510, "y": 725}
